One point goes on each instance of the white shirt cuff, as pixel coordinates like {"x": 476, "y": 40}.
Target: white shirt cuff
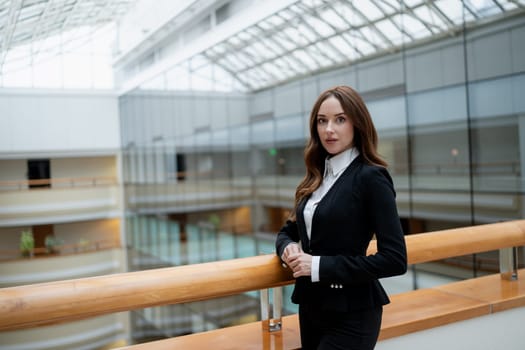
{"x": 315, "y": 268}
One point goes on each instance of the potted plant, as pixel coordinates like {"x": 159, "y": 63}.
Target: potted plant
{"x": 83, "y": 244}
{"x": 215, "y": 221}
{"x": 53, "y": 244}
{"x": 27, "y": 243}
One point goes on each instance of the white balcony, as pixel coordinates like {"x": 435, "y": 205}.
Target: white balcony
{"x": 66, "y": 200}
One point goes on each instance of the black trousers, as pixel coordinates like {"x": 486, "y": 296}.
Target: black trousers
{"x": 323, "y": 330}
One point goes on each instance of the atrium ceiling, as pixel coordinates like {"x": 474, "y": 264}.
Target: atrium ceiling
{"x": 303, "y": 37}
{"x": 25, "y": 21}
{"x": 312, "y": 35}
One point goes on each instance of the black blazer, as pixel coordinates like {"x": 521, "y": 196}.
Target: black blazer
{"x": 360, "y": 203}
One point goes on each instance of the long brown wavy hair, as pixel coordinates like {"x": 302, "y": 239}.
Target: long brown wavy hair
{"x": 365, "y": 139}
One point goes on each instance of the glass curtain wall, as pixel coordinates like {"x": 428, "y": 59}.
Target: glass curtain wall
{"x": 211, "y": 176}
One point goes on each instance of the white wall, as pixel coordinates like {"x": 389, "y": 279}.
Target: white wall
{"x": 84, "y": 167}
{"x": 96, "y": 230}
{"x": 12, "y": 169}
{"x": 51, "y": 122}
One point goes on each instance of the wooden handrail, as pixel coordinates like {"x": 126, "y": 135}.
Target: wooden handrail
{"x": 437, "y": 245}
{"x": 56, "y": 302}
{"x": 63, "y": 301}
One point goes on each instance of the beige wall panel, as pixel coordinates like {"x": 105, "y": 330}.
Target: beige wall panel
{"x": 84, "y": 167}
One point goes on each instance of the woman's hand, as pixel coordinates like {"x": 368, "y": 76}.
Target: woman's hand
{"x": 290, "y": 250}
{"x": 297, "y": 260}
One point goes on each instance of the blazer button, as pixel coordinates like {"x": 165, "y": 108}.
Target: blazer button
{"x": 341, "y": 286}
{"x": 331, "y": 286}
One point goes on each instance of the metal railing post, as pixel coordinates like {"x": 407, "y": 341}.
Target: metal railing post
{"x": 265, "y": 308}
{"x": 508, "y": 263}
{"x": 271, "y": 323}
{"x": 275, "y": 322}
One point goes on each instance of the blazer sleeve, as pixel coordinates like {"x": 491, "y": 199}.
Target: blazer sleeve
{"x": 382, "y": 219}
{"x": 287, "y": 234}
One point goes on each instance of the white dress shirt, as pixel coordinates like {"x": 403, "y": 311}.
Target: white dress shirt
{"x": 334, "y": 167}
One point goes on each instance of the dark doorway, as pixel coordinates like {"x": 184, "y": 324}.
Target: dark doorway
{"x": 38, "y": 169}
{"x": 40, "y": 232}
{"x": 181, "y": 167}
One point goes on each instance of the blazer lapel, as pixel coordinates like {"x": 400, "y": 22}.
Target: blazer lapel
{"x": 346, "y": 179}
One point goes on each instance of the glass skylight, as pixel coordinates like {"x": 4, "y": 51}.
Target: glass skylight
{"x": 58, "y": 43}
{"x": 302, "y": 37}
{"x": 315, "y": 34}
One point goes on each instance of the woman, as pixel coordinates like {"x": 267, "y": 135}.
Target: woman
{"x": 346, "y": 198}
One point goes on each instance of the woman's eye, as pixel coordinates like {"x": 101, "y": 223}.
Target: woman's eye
{"x": 321, "y": 121}
{"x": 341, "y": 120}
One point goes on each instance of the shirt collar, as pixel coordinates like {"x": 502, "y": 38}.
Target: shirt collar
{"x": 341, "y": 161}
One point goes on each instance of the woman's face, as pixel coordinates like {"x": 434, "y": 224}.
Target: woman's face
{"x": 334, "y": 127}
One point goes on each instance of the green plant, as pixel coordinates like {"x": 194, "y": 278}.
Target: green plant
{"x": 53, "y": 244}
{"x": 83, "y": 244}
{"x": 27, "y": 243}
{"x": 215, "y": 220}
